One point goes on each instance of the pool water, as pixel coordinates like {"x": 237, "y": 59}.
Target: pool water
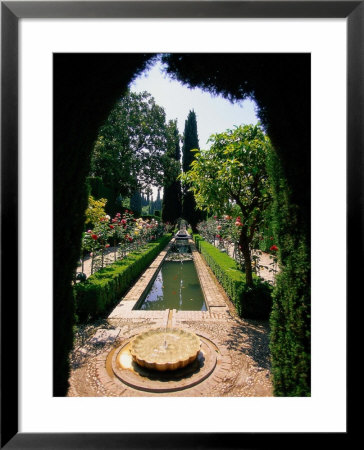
{"x": 176, "y": 287}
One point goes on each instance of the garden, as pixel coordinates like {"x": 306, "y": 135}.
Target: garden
{"x": 147, "y": 181}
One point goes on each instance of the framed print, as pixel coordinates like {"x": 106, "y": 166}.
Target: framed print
{"x": 62, "y": 67}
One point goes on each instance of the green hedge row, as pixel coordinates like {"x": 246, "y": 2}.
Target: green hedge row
{"x": 100, "y": 292}
{"x": 254, "y": 303}
{"x": 290, "y": 321}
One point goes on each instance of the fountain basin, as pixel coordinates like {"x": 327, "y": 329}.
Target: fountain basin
{"x": 165, "y": 349}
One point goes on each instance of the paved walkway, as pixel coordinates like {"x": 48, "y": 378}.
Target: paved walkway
{"x": 243, "y": 367}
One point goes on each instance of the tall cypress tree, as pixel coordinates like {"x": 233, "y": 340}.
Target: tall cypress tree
{"x": 190, "y": 142}
{"x": 172, "y": 195}
{"x": 136, "y": 203}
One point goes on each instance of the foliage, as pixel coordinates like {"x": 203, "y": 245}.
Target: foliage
{"x": 99, "y": 293}
{"x": 99, "y": 191}
{"x": 82, "y": 101}
{"x": 290, "y": 343}
{"x": 254, "y": 301}
{"x": 281, "y": 86}
{"x": 124, "y": 232}
{"x": 280, "y": 83}
{"x": 233, "y": 172}
{"x": 129, "y": 153}
{"x": 172, "y": 195}
{"x": 224, "y": 232}
{"x": 95, "y": 210}
{"x": 190, "y": 142}
{"x": 136, "y": 203}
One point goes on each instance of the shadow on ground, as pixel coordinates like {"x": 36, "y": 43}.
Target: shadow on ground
{"x": 250, "y": 337}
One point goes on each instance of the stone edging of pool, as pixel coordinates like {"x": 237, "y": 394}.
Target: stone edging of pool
{"x": 213, "y": 298}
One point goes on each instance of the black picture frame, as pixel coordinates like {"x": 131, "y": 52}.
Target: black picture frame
{"x": 11, "y": 12}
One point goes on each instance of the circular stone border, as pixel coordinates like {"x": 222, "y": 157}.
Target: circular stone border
{"x": 138, "y": 382}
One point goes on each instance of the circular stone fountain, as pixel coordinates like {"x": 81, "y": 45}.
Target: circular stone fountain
{"x": 165, "y": 349}
{"x": 121, "y": 364}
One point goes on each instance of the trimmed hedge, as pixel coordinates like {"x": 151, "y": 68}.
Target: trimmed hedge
{"x": 290, "y": 321}
{"x": 102, "y": 290}
{"x": 253, "y": 303}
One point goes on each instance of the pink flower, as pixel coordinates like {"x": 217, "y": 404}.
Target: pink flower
{"x": 107, "y": 245}
{"x": 219, "y": 227}
{"x": 89, "y": 231}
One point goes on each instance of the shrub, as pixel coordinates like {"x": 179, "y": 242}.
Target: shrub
{"x": 290, "y": 321}
{"x": 254, "y": 302}
{"x": 100, "y": 292}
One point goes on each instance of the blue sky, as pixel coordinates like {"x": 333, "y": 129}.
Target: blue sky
{"x": 214, "y": 114}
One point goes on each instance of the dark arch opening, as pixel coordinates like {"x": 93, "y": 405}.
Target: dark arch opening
{"x": 85, "y": 88}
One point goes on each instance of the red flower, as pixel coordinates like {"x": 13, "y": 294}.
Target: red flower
{"x": 107, "y": 245}
{"x": 94, "y": 236}
{"x": 274, "y": 248}
{"x": 111, "y": 226}
{"x": 217, "y": 235}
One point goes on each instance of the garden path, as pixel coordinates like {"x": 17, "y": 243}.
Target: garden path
{"x": 108, "y": 259}
{"x": 268, "y": 269}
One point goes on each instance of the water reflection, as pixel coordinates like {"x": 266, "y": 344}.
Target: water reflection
{"x": 176, "y": 287}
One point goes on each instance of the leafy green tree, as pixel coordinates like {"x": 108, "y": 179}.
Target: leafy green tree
{"x": 172, "y": 195}
{"x": 233, "y": 172}
{"x": 129, "y": 153}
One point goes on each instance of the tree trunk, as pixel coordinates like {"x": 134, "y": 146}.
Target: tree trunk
{"x": 244, "y": 244}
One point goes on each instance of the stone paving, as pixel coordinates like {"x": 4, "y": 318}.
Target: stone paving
{"x": 243, "y": 364}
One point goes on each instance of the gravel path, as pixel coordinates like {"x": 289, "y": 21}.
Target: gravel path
{"x": 109, "y": 258}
